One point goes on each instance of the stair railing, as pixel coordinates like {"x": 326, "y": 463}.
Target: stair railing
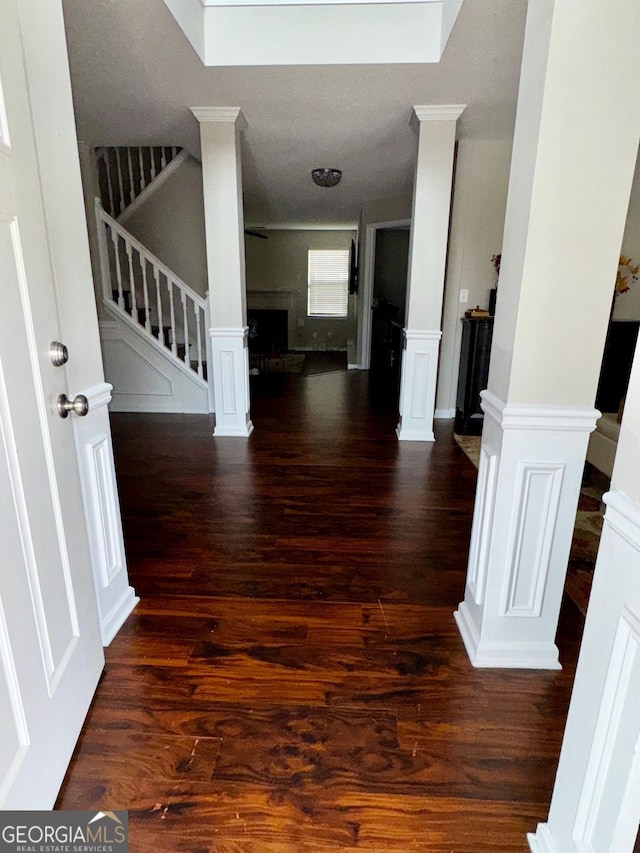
{"x": 124, "y": 173}
{"x": 147, "y": 294}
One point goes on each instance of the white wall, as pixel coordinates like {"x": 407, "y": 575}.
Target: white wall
{"x": 477, "y": 223}
{"x": 277, "y": 277}
{"x": 171, "y": 225}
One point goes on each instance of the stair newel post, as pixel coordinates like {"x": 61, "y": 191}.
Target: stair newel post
{"x": 196, "y": 311}
{"x": 132, "y": 280}
{"x": 103, "y": 248}
{"x": 187, "y": 357}
{"x": 156, "y": 275}
{"x": 145, "y": 294}
{"x": 172, "y": 315}
{"x": 143, "y": 182}
{"x": 208, "y": 344}
{"x": 121, "y": 202}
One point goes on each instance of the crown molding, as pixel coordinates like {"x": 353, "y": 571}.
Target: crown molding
{"x": 439, "y": 112}
{"x": 229, "y": 115}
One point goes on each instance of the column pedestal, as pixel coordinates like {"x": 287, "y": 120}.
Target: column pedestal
{"x": 418, "y": 385}
{"x": 596, "y": 799}
{"x": 529, "y": 478}
{"x": 114, "y": 596}
{"x": 230, "y": 374}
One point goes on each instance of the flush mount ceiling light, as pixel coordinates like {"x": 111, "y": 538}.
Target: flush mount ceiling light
{"x": 326, "y": 177}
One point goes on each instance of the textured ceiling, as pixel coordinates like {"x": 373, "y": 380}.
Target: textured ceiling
{"x": 135, "y": 75}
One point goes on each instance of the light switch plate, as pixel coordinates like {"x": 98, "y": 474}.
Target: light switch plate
{"x": 464, "y": 297}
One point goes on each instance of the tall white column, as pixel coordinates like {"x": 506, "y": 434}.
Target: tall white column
{"x": 427, "y": 260}
{"x": 596, "y": 798}
{"x": 220, "y": 129}
{"x": 574, "y": 152}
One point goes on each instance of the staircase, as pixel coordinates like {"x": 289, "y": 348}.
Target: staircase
{"x": 162, "y": 321}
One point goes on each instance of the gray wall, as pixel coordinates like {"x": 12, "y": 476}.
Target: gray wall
{"x": 171, "y": 225}
{"x": 277, "y": 278}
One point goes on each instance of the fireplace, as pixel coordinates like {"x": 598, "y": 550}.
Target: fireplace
{"x": 268, "y": 331}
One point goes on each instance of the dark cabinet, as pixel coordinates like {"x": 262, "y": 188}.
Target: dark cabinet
{"x": 474, "y": 373}
{"x": 617, "y": 359}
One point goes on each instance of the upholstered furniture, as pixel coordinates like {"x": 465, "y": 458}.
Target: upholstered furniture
{"x": 603, "y": 442}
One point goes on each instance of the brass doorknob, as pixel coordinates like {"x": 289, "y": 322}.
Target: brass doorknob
{"x": 79, "y": 406}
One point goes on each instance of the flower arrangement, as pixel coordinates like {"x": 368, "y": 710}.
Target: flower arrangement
{"x": 495, "y": 260}
{"x": 626, "y": 276}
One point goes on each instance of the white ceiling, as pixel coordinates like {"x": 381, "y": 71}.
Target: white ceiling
{"x": 135, "y": 76}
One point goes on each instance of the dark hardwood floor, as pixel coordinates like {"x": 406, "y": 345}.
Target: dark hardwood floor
{"x": 292, "y": 679}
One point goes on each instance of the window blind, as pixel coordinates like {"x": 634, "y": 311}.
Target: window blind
{"x": 328, "y": 291}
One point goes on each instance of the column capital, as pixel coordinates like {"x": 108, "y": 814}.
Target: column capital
{"x": 228, "y": 115}
{"x": 531, "y": 417}
{"x": 439, "y": 112}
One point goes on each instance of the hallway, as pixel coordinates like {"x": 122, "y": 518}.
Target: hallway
{"x": 293, "y": 679}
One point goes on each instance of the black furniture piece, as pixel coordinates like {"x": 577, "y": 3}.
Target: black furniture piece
{"x": 474, "y": 373}
{"x": 616, "y": 364}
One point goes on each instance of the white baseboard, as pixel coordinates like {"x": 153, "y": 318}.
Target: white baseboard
{"x": 444, "y": 414}
{"x": 231, "y": 432}
{"x": 114, "y": 620}
{"x": 542, "y": 841}
{"x": 514, "y": 655}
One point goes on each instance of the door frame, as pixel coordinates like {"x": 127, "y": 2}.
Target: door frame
{"x": 368, "y": 273}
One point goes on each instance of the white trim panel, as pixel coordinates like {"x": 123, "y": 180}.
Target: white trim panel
{"x": 114, "y": 597}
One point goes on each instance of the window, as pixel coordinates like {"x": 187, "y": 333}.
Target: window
{"x": 328, "y": 292}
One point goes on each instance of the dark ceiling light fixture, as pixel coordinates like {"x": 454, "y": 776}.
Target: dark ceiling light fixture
{"x": 326, "y": 177}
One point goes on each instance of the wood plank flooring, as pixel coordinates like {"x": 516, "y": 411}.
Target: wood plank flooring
{"x": 293, "y": 680}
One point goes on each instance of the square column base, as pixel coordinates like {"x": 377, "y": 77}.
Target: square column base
{"x": 596, "y": 797}
{"x": 230, "y": 376}
{"x": 531, "y": 463}
{"x": 418, "y": 385}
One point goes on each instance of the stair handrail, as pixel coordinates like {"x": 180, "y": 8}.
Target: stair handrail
{"x": 102, "y": 214}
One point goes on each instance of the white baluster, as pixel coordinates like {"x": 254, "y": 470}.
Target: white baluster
{"x": 187, "y": 357}
{"x": 163, "y": 158}
{"x": 107, "y": 162}
{"x": 172, "y": 315}
{"x": 116, "y": 252}
{"x": 143, "y": 181}
{"x": 145, "y": 295}
{"x": 174, "y": 152}
{"x": 121, "y": 203}
{"x": 156, "y": 275}
{"x": 196, "y": 311}
{"x": 132, "y": 189}
{"x": 132, "y": 281}
{"x": 153, "y": 161}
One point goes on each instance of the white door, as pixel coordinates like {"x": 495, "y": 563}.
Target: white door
{"x": 50, "y": 648}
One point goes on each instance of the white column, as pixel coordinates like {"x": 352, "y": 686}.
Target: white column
{"x": 427, "y": 260}
{"x": 574, "y": 152}
{"x": 596, "y": 798}
{"x": 220, "y": 129}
